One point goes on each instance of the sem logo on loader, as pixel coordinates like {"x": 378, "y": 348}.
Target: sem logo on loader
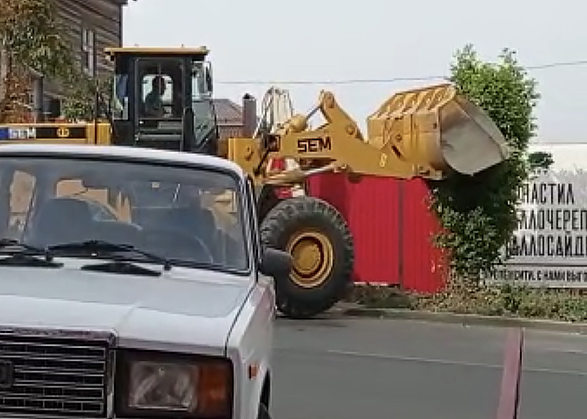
{"x": 314, "y": 145}
{"x": 18, "y": 133}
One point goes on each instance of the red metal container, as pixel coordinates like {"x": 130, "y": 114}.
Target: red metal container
{"x": 424, "y": 263}
{"x": 392, "y": 228}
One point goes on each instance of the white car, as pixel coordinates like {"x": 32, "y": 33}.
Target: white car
{"x": 162, "y": 309}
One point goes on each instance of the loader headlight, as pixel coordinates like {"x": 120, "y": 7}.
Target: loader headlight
{"x": 169, "y": 385}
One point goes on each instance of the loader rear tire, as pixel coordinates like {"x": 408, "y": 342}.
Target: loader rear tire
{"x": 319, "y": 239}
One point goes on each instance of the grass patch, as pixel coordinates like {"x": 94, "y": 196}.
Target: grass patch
{"x": 472, "y": 298}
{"x": 376, "y": 296}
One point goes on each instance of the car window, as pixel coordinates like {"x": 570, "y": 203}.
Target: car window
{"x": 189, "y": 215}
{"x": 99, "y": 200}
{"x": 20, "y": 195}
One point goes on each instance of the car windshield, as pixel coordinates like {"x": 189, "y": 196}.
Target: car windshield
{"x": 190, "y": 216}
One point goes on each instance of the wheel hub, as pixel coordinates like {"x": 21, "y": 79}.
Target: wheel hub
{"x": 313, "y": 258}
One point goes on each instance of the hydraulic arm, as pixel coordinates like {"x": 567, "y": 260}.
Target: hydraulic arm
{"x": 428, "y": 132}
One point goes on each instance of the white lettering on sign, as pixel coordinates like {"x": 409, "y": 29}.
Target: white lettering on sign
{"x": 26, "y": 133}
{"x": 549, "y": 247}
{"x": 543, "y": 276}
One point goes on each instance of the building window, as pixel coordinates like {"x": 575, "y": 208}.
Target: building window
{"x": 89, "y": 51}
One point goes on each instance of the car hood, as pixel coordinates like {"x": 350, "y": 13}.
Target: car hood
{"x": 183, "y": 309}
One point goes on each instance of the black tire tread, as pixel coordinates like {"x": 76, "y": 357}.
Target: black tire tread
{"x": 301, "y": 210}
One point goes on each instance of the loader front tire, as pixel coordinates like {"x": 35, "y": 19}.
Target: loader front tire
{"x": 318, "y": 238}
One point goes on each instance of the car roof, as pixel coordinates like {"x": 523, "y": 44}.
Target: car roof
{"x": 137, "y": 153}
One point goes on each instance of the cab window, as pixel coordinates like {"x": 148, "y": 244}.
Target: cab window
{"x": 161, "y": 90}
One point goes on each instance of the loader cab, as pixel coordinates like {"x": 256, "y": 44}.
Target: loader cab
{"x": 154, "y": 91}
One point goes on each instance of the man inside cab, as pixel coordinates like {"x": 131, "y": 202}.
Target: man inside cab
{"x": 153, "y": 101}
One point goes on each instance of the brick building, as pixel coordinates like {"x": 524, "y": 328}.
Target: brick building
{"x": 229, "y": 116}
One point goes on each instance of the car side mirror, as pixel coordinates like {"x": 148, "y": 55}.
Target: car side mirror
{"x": 276, "y": 263}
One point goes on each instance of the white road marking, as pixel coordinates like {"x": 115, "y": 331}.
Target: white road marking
{"x": 450, "y": 362}
{"x": 564, "y": 351}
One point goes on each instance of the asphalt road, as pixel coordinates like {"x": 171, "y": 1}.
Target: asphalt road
{"x": 385, "y": 369}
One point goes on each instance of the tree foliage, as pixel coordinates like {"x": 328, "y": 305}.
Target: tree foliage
{"x": 84, "y": 95}
{"x": 34, "y": 40}
{"x": 539, "y": 160}
{"x": 30, "y": 33}
{"x": 479, "y": 213}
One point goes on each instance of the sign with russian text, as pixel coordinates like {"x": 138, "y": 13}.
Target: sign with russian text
{"x": 549, "y": 247}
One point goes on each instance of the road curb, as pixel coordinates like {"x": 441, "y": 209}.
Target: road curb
{"x": 465, "y": 319}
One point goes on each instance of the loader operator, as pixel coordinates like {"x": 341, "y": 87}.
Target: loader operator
{"x": 153, "y": 101}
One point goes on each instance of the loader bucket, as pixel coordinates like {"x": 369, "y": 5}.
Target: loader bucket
{"x": 436, "y": 128}
{"x": 469, "y": 140}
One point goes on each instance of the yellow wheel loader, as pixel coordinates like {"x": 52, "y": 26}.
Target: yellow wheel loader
{"x": 162, "y": 98}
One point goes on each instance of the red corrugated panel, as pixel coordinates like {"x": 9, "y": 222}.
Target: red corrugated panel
{"x": 423, "y": 267}
{"x": 371, "y": 210}
{"x": 331, "y": 187}
{"x": 374, "y": 220}
{"x": 392, "y": 229}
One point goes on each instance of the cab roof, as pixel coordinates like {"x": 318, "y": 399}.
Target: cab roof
{"x": 202, "y": 50}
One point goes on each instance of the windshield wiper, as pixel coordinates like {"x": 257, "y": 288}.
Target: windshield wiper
{"x": 121, "y": 267}
{"x": 100, "y": 247}
{"x": 21, "y": 254}
{"x": 6, "y": 242}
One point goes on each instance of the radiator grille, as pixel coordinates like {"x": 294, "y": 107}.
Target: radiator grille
{"x": 53, "y": 375}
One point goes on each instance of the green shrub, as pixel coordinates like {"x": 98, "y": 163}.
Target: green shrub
{"x": 479, "y": 213}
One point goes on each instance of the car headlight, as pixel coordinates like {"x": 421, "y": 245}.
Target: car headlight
{"x": 170, "y": 386}
{"x": 150, "y": 385}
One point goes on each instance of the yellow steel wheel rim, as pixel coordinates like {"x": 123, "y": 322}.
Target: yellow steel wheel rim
{"x": 313, "y": 258}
